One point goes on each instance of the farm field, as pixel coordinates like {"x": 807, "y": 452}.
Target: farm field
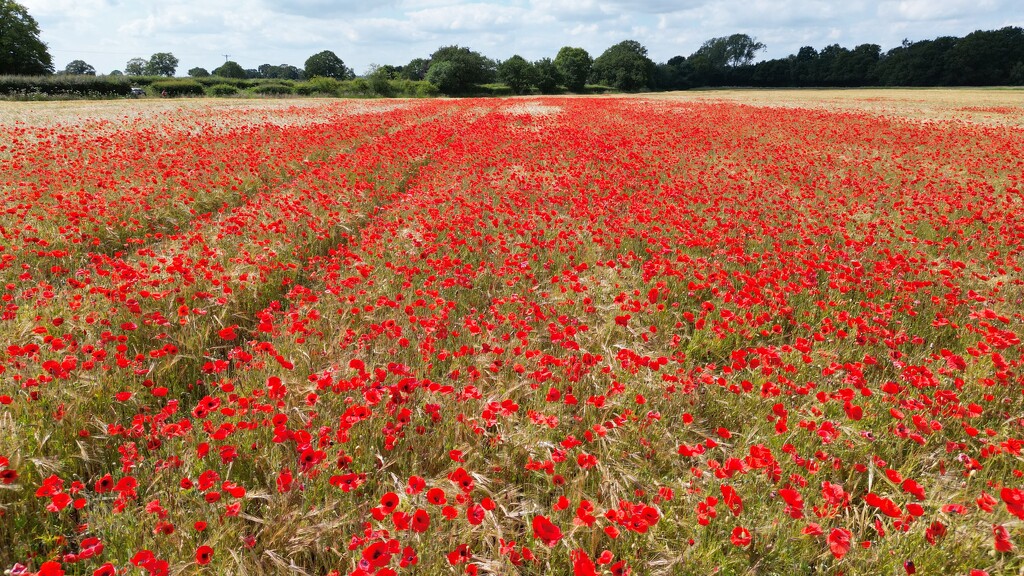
{"x": 701, "y": 333}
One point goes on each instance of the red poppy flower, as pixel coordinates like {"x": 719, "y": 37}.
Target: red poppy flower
{"x": 740, "y": 536}
{"x": 546, "y": 531}
{"x": 839, "y": 542}
{"x": 204, "y": 554}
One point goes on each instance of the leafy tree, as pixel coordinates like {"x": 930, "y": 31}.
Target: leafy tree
{"x": 198, "y": 72}
{"x": 548, "y": 76}
{"x": 230, "y": 69}
{"x": 281, "y": 71}
{"x": 987, "y": 58}
{"x": 326, "y": 64}
{"x": 462, "y": 69}
{"x": 673, "y": 75}
{"x": 445, "y": 76}
{"x": 116, "y": 73}
{"x": 416, "y": 69}
{"x": 21, "y": 50}
{"x": 162, "y": 64}
{"x": 252, "y": 73}
{"x": 624, "y": 66}
{"x": 379, "y": 79}
{"x": 518, "y": 74}
{"x": 136, "y": 67}
{"x": 574, "y": 65}
{"x": 80, "y": 68}
{"x": 729, "y": 51}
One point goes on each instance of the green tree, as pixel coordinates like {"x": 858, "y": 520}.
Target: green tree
{"x": 624, "y": 66}
{"x": 80, "y": 68}
{"x": 162, "y": 64}
{"x": 729, "y": 51}
{"x": 21, "y": 50}
{"x": 416, "y": 69}
{"x": 198, "y": 72}
{"x": 574, "y": 64}
{"x": 136, "y": 67}
{"x": 379, "y": 78}
{"x": 673, "y": 75}
{"x": 445, "y": 76}
{"x": 987, "y": 57}
{"x": 326, "y": 64}
{"x": 548, "y": 76}
{"x": 230, "y": 69}
{"x": 281, "y": 71}
{"x": 518, "y": 74}
{"x": 462, "y": 69}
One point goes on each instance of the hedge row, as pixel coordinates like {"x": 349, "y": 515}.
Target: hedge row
{"x": 76, "y": 86}
{"x": 113, "y": 86}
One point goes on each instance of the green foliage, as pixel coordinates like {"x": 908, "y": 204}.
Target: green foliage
{"x": 199, "y": 72}
{"x": 230, "y": 69}
{"x": 356, "y": 87}
{"x": 674, "y": 74}
{"x": 222, "y": 90}
{"x": 328, "y": 65}
{"x": 380, "y": 79}
{"x": 624, "y": 66}
{"x": 136, "y": 67}
{"x": 176, "y": 88}
{"x": 729, "y": 51}
{"x": 425, "y": 89}
{"x": 987, "y": 58}
{"x": 548, "y": 78}
{"x": 415, "y": 69}
{"x": 279, "y": 72}
{"x": 518, "y": 74}
{"x": 318, "y": 86}
{"x": 239, "y": 83}
{"x": 80, "y": 68}
{"x": 21, "y": 50}
{"x": 162, "y": 64}
{"x": 456, "y": 69}
{"x": 270, "y": 89}
{"x": 62, "y": 86}
{"x": 574, "y": 64}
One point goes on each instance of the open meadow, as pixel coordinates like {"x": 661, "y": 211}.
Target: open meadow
{"x": 710, "y": 332}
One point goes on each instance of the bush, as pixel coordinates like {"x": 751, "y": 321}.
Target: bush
{"x": 318, "y": 86}
{"x": 494, "y": 90}
{"x": 425, "y": 89}
{"x": 357, "y": 87}
{"x": 176, "y": 88}
{"x": 270, "y": 89}
{"x": 222, "y": 90}
{"x": 72, "y": 86}
{"x": 215, "y": 80}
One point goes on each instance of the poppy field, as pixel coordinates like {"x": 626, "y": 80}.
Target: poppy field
{"x": 529, "y": 336}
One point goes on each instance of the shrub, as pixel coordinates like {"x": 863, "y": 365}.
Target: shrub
{"x": 270, "y": 89}
{"x": 176, "y": 88}
{"x": 318, "y": 86}
{"x": 425, "y": 89}
{"x": 357, "y": 87}
{"x": 222, "y": 90}
{"x": 75, "y": 86}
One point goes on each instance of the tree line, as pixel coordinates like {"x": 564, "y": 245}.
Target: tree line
{"x": 994, "y": 57}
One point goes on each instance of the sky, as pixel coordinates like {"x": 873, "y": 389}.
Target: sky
{"x": 202, "y": 33}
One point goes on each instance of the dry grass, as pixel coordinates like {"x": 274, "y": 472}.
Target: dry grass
{"x": 999, "y": 106}
{"x": 182, "y": 113}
